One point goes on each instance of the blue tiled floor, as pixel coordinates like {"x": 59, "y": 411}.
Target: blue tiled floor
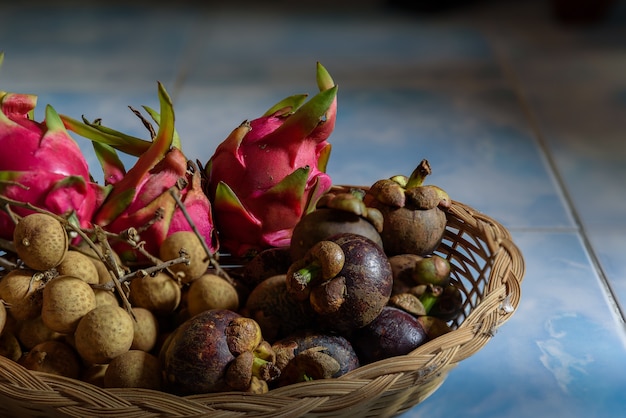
{"x": 521, "y": 117}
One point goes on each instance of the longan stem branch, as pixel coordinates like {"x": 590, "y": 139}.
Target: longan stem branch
{"x": 7, "y": 245}
{"x": 114, "y": 271}
{"x": 6, "y": 264}
{"x": 143, "y": 272}
{"x": 131, "y": 237}
{"x": 107, "y": 260}
{"x": 61, "y": 219}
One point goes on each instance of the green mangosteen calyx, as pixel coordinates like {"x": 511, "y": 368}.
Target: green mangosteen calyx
{"x": 321, "y": 263}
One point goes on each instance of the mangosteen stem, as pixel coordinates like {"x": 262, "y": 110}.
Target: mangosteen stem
{"x": 430, "y": 297}
{"x": 419, "y": 175}
{"x": 306, "y": 274}
{"x": 264, "y": 370}
{"x": 321, "y": 262}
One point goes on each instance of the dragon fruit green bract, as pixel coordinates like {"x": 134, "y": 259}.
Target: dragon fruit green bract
{"x": 270, "y": 171}
{"x": 141, "y": 198}
{"x": 44, "y": 166}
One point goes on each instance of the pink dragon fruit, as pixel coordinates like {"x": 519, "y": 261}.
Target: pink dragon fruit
{"x": 42, "y": 165}
{"x": 270, "y": 171}
{"x": 142, "y": 192}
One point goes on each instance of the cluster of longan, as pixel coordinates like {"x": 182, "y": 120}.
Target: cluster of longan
{"x": 60, "y": 313}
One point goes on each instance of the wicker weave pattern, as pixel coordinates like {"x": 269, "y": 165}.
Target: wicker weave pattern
{"x": 487, "y": 265}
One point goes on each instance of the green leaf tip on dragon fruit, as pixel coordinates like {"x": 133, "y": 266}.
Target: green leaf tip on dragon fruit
{"x": 271, "y": 171}
{"x": 45, "y": 166}
{"x": 141, "y": 197}
{"x": 112, "y": 166}
{"x": 115, "y": 139}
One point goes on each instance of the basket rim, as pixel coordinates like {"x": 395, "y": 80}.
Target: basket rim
{"x": 498, "y": 304}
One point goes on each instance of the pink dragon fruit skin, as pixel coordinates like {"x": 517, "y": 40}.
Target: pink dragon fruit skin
{"x": 270, "y": 171}
{"x": 41, "y": 164}
{"x": 152, "y": 194}
{"x": 33, "y": 145}
{"x": 138, "y": 194}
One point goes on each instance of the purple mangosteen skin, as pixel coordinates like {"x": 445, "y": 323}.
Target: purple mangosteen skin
{"x": 196, "y": 355}
{"x": 394, "y": 333}
{"x": 369, "y": 281}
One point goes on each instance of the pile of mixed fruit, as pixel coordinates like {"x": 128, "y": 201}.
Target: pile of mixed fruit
{"x": 246, "y": 273}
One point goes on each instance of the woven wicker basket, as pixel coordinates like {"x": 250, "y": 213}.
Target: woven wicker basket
{"x": 486, "y": 264}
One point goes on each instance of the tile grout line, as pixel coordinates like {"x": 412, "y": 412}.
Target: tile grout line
{"x": 511, "y": 75}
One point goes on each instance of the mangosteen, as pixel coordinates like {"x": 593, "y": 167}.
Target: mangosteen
{"x": 267, "y": 263}
{"x": 434, "y": 270}
{"x": 393, "y": 333}
{"x": 449, "y": 304}
{"x": 273, "y": 308}
{"x": 402, "y": 266}
{"x": 414, "y": 218}
{"x": 346, "y": 280}
{"x": 312, "y": 355}
{"x": 200, "y": 356}
{"x": 336, "y": 212}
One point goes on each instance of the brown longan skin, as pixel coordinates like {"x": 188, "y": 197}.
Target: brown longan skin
{"x": 104, "y": 276}
{"x": 3, "y": 316}
{"x": 66, "y": 299}
{"x": 210, "y": 291}
{"x": 22, "y": 293}
{"x": 103, "y": 334}
{"x": 198, "y": 260}
{"x": 10, "y": 346}
{"x": 33, "y": 331}
{"x": 146, "y": 330}
{"x": 79, "y": 265}
{"x": 159, "y": 294}
{"x": 134, "y": 369}
{"x": 106, "y": 297}
{"x": 53, "y": 357}
{"x": 40, "y": 241}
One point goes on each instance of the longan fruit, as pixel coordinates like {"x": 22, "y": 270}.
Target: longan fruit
{"x": 103, "y": 272}
{"x": 53, "y": 357}
{"x": 41, "y": 241}
{"x": 22, "y": 291}
{"x": 10, "y": 346}
{"x": 33, "y": 331}
{"x": 210, "y": 291}
{"x": 198, "y": 260}
{"x": 11, "y": 324}
{"x": 159, "y": 293}
{"x": 134, "y": 369}
{"x": 3, "y": 316}
{"x": 105, "y": 297}
{"x": 66, "y": 299}
{"x": 146, "y": 330}
{"x": 104, "y": 333}
{"x": 79, "y": 265}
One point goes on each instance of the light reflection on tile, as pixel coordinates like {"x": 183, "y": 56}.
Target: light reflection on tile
{"x": 609, "y": 244}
